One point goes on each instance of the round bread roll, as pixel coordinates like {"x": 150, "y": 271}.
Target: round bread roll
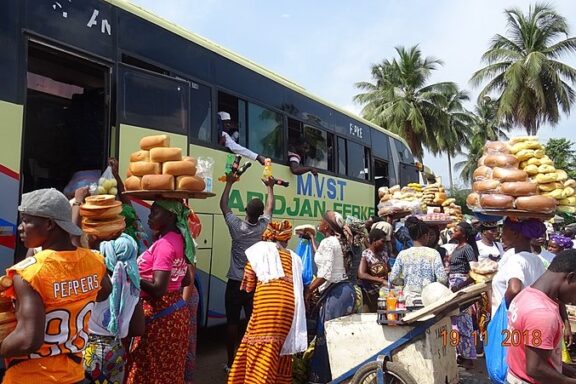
{"x": 562, "y": 175}
{"x": 509, "y": 174}
{"x": 496, "y": 147}
{"x": 519, "y": 188}
{"x": 486, "y": 186}
{"x": 158, "y": 182}
{"x": 104, "y": 229}
{"x": 481, "y": 160}
{"x": 538, "y": 204}
{"x": 133, "y": 183}
{"x": 547, "y": 168}
{"x": 496, "y": 201}
{"x": 531, "y": 169}
{"x": 161, "y": 155}
{"x": 150, "y": 142}
{"x": 525, "y": 154}
{"x": 473, "y": 200}
{"x": 190, "y": 183}
{"x": 570, "y": 183}
{"x": 482, "y": 173}
{"x": 519, "y": 139}
{"x": 179, "y": 168}
{"x": 140, "y": 156}
{"x": 101, "y": 200}
{"x": 545, "y": 178}
{"x": 502, "y": 160}
{"x": 100, "y": 213}
{"x": 141, "y": 168}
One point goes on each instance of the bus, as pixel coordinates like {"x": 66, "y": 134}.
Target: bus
{"x": 85, "y": 80}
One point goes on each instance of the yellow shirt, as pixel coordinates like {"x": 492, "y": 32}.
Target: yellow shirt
{"x": 68, "y": 283}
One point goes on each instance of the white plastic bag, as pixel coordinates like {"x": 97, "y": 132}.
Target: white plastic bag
{"x": 107, "y": 184}
{"x": 205, "y": 170}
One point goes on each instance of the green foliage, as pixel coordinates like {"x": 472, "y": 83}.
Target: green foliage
{"x": 523, "y": 70}
{"x": 562, "y": 152}
{"x": 400, "y": 99}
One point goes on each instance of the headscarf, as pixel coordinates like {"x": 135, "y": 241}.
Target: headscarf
{"x": 562, "y": 241}
{"x": 358, "y": 229}
{"x": 278, "y": 231}
{"x": 181, "y": 212}
{"x": 530, "y": 229}
{"x": 134, "y": 228}
{"x": 120, "y": 258}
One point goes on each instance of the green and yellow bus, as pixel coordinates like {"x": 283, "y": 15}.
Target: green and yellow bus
{"x": 85, "y": 80}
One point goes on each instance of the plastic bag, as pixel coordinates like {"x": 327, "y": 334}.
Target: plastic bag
{"x": 205, "y": 170}
{"x": 496, "y": 364}
{"x": 304, "y": 250}
{"x": 81, "y": 179}
{"x": 107, "y": 184}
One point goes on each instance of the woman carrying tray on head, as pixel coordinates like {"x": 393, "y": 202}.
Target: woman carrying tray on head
{"x": 465, "y": 252}
{"x": 160, "y": 355}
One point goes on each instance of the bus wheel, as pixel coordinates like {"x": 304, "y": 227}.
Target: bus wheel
{"x": 394, "y": 373}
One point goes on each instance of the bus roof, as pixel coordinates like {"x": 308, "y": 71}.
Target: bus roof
{"x": 202, "y": 41}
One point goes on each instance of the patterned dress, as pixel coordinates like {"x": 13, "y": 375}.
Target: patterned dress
{"x": 258, "y": 359}
{"x": 418, "y": 267}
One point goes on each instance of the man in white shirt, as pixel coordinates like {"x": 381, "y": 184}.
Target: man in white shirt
{"x": 229, "y": 138}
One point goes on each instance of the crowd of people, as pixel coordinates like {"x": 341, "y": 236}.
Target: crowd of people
{"x": 93, "y": 309}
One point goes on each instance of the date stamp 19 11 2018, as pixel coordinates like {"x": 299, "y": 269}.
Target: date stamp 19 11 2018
{"x": 510, "y": 338}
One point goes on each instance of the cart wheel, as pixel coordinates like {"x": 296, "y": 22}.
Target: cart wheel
{"x": 394, "y": 373}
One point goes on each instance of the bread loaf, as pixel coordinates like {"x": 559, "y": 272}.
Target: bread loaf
{"x": 190, "y": 183}
{"x": 481, "y": 173}
{"x": 150, "y": 142}
{"x": 496, "y": 201}
{"x": 486, "y": 186}
{"x": 509, "y": 174}
{"x": 140, "y": 156}
{"x": 158, "y": 182}
{"x": 496, "y": 147}
{"x": 473, "y": 200}
{"x": 519, "y": 188}
{"x": 133, "y": 183}
{"x": 141, "y": 168}
{"x": 179, "y": 168}
{"x": 162, "y": 155}
{"x": 501, "y": 160}
{"x": 538, "y": 204}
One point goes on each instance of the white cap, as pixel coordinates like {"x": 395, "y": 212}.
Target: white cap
{"x": 224, "y": 116}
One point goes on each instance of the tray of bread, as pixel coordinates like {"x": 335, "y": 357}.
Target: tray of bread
{"x": 518, "y": 213}
{"x": 167, "y": 194}
{"x": 158, "y": 169}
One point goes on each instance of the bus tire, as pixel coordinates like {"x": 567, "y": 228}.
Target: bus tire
{"x": 395, "y": 374}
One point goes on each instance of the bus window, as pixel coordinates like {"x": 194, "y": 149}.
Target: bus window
{"x": 237, "y": 109}
{"x": 342, "y": 155}
{"x": 358, "y": 159}
{"x": 266, "y": 133}
{"x": 314, "y": 146}
{"x": 154, "y": 102}
{"x": 200, "y": 112}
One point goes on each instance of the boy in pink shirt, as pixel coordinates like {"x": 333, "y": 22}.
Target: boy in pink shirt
{"x": 535, "y": 328}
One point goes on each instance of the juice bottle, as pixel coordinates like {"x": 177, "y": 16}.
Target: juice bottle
{"x": 267, "y": 173}
{"x": 391, "y": 306}
{"x": 229, "y": 162}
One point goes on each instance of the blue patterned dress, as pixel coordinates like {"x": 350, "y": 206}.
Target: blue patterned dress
{"x": 418, "y": 267}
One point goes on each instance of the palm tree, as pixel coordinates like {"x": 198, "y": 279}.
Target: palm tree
{"x": 486, "y": 125}
{"x": 523, "y": 68}
{"x": 400, "y": 99}
{"x": 456, "y": 133}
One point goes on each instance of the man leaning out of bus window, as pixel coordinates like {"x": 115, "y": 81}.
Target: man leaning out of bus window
{"x": 297, "y": 152}
{"x": 229, "y": 135}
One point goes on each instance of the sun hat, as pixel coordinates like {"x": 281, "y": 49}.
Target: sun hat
{"x": 50, "y": 203}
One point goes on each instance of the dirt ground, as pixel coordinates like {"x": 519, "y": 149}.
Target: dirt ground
{"x": 212, "y": 357}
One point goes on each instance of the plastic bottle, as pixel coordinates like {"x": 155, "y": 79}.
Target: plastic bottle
{"x": 243, "y": 168}
{"x": 236, "y": 163}
{"x": 282, "y": 183}
{"x": 229, "y": 162}
{"x": 267, "y": 173}
{"x": 401, "y": 301}
{"x": 391, "y": 306}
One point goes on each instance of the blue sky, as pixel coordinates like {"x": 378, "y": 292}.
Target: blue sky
{"x": 326, "y": 47}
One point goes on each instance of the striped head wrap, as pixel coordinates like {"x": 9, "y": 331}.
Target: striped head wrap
{"x": 278, "y": 231}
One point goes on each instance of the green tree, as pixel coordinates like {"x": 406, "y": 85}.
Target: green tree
{"x": 523, "y": 70}
{"x": 562, "y": 152}
{"x": 400, "y": 99}
{"x": 486, "y": 126}
{"x": 456, "y": 133}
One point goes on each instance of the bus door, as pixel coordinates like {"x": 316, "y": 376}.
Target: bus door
{"x": 66, "y": 119}
{"x": 381, "y": 178}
